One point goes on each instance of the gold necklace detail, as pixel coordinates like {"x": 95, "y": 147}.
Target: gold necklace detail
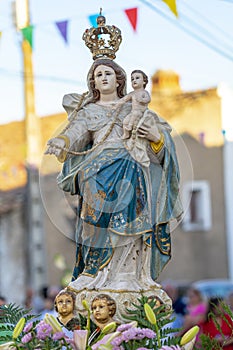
{"x": 97, "y": 144}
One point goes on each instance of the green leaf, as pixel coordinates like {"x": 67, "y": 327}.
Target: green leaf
{"x": 5, "y": 336}
{"x": 163, "y": 316}
{"x": 6, "y": 327}
{"x": 11, "y": 314}
{"x": 6, "y": 333}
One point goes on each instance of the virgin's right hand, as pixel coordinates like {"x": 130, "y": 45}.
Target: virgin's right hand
{"x": 55, "y": 146}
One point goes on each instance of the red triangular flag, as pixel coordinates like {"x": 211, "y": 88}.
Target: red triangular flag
{"x": 132, "y": 15}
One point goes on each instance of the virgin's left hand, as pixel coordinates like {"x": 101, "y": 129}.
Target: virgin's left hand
{"x": 149, "y": 132}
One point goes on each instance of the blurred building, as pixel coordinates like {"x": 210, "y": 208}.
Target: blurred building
{"x": 57, "y": 245}
{"x": 200, "y": 243}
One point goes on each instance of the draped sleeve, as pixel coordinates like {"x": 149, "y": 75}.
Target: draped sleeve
{"x": 77, "y": 132}
{"x": 164, "y": 129}
{"x": 80, "y": 139}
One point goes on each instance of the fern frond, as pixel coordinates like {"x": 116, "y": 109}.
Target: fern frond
{"x": 171, "y": 341}
{"x": 5, "y": 336}
{"x": 209, "y": 344}
{"x": 6, "y": 327}
{"x": 163, "y": 317}
{"x": 12, "y": 313}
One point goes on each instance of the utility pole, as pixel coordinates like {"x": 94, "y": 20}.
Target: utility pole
{"x": 35, "y": 238}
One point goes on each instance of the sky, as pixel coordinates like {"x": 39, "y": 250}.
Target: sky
{"x": 198, "y": 45}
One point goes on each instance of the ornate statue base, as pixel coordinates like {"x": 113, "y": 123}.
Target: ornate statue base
{"x": 124, "y": 299}
{"x": 126, "y": 278}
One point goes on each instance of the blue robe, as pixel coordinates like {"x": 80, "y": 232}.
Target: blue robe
{"x": 119, "y": 197}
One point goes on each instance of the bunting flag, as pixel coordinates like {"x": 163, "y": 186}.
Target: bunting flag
{"x": 62, "y": 27}
{"x": 92, "y": 19}
{"x": 132, "y": 15}
{"x": 28, "y": 34}
{"x": 172, "y": 6}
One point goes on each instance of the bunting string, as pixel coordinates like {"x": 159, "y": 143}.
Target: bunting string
{"x": 62, "y": 26}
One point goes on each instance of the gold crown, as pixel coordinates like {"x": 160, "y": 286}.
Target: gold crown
{"x": 95, "y": 39}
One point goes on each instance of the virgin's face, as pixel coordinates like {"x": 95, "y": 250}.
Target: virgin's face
{"x": 105, "y": 79}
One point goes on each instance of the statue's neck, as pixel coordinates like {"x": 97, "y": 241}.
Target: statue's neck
{"x": 65, "y": 319}
{"x": 103, "y": 323}
{"x": 108, "y": 98}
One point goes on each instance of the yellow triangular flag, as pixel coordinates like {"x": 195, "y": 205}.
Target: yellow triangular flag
{"x": 172, "y": 5}
{"x": 0, "y": 35}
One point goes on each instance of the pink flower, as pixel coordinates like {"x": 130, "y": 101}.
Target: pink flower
{"x": 124, "y": 327}
{"x": 172, "y": 347}
{"x": 138, "y": 333}
{"x": 58, "y": 335}
{"x": 148, "y": 333}
{"x": 28, "y": 327}
{"x": 117, "y": 341}
{"x": 133, "y": 334}
{"x": 26, "y": 338}
{"x": 43, "y": 330}
{"x": 106, "y": 340}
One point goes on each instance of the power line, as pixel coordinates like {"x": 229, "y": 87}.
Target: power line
{"x": 188, "y": 31}
{"x": 14, "y": 74}
{"x": 212, "y": 24}
{"x": 205, "y": 33}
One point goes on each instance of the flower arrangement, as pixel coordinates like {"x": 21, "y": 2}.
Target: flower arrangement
{"x": 31, "y": 334}
{"x": 21, "y": 330}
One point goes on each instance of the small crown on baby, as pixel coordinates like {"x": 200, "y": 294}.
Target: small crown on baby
{"x": 96, "y": 39}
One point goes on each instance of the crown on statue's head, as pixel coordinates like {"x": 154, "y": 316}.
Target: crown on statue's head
{"x": 95, "y": 39}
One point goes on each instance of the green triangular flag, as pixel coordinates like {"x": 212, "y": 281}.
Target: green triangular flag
{"x": 27, "y": 34}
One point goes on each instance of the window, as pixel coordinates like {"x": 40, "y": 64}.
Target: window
{"x": 197, "y": 206}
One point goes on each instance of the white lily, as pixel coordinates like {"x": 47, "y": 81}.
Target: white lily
{"x": 7, "y": 346}
{"x": 189, "y": 345}
{"x": 80, "y": 339}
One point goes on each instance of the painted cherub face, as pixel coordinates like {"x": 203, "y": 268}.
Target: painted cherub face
{"x": 100, "y": 310}
{"x": 65, "y": 304}
{"x": 137, "y": 80}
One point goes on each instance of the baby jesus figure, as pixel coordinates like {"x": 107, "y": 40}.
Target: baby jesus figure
{"x": 139, "y": 98}
{"x": 135, "y": 142}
